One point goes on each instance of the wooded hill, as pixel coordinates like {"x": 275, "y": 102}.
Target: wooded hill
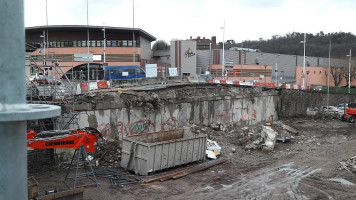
{"x": 316, "y": 45}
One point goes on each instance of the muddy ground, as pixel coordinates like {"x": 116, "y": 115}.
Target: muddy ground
{"x": 307, "y": 167}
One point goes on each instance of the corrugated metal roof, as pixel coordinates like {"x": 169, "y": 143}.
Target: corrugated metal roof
{"x": 144, "y": 34}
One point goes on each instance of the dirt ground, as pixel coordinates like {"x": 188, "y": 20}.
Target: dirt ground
{"x": 307, "y": 167}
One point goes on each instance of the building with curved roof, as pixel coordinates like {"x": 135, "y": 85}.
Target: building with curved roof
{"x": 109, "y": 45}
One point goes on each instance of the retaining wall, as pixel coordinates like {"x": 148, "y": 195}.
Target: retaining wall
{"x": 295, "y": 102}
{"x": 177, "y": 108}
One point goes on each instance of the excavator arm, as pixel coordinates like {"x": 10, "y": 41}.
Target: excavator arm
{"x": 72, "y": 139}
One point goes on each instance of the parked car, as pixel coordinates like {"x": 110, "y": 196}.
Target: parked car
{"x": 331, "y": 109}
{"x": 35, "y": 76}
{"x": 47, "y": 80}
{"x": 342, "y": 106}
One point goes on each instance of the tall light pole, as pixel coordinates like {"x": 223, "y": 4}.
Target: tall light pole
{"x": 242, "y": 46}
{"x": 223, "y": 52}
{"x": 303, "y": 73}
{"x": 210, "y": 58}
{"x": 44, "y": 50}
{"x": 349, "y": 69}
{"x": 327, "y": 100}
{"x": 104, "y": 43}
{"x": 88, "y": 37}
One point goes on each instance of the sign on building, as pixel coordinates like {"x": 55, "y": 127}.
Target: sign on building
{"x": 151, "y": 70}
{"x": 173, "y": 71}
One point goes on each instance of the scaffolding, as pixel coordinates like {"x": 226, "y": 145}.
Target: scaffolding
{"x": 49, "y": 84}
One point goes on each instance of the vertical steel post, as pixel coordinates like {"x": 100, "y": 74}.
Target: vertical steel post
{"x": 13, "y": 109}
{"x": 13, "y": 170}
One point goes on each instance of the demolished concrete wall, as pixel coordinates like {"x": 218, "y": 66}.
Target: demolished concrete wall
{"x": 296, "y": 102}
{"x": 122, "y": 113}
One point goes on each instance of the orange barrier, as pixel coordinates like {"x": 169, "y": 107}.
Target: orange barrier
{"x": 222, "y": 81}
{"x": 236, "y": 83}
{"x": 102, "y": 84}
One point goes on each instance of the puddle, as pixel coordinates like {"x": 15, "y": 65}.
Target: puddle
{"x": 226, "y": 186}
{"x": 206, "y": 189}
{"x": 341, "y": 180}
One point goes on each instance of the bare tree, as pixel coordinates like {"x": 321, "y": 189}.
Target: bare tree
{"x": 336, "y": 73}
{"x": 345, "y": 74}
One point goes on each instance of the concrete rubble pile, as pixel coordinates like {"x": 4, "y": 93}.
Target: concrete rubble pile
{"x": 349, "y": 165}
{"x": 108, "y": 154}
{"x": 264, "y": 137}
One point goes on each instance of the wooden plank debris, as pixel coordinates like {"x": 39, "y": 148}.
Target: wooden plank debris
{"x": 187, "y": 170}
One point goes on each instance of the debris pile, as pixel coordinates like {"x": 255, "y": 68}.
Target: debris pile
{"x": 265, "y": 136}
{"x": 213, "y": 149}
{"x": 108, "y": 154}
{"x": 349, "y": 165}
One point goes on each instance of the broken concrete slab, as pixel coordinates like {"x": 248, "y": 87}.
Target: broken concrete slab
{"x": 270, "y": 139}
{"x": 290, "y": 129}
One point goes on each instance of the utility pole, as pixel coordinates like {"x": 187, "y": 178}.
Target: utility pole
{"x": 303, "y": 73}
{"x": 349, "y": 69}
{"x": 223, "y": 52}
{"x": 210, "y": 58}
{"x": 104, "y": 43}
{"x": 327, "y": 100}
{"x": 88, "y": 39}
{"x": 133, "y": 32}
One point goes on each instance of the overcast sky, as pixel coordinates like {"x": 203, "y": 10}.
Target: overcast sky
{"x": 180, "y": 19}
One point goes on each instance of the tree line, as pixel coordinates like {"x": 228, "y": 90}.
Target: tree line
{"x": 316, "y": 45}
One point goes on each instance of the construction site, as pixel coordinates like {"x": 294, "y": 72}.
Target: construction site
{"x": 151, "y": 125}
{"x": 155, "y": 134}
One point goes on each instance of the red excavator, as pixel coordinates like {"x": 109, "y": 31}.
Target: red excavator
{"x": 350, "y": 114}
{"x": 82, "y": 140}
{"x": 71, "y": 139}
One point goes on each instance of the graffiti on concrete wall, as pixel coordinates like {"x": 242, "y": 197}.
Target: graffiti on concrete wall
{"x": 105, "y": 129}
{"x": 254, "y": 114}
{"x": 224, "y": 117}
{"x": 142, "y": 126}
{"x": 170, "y": 124}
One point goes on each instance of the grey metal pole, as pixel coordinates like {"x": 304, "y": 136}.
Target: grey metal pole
{"x": 104, "y": 44}
{"x": 88, "y": 40}
{"x": 223, "y": 52}
{"x": 13, "y": 108}
{"x": 349, "y": 70}
{"x": 133, "y": 33}
{"x": 210, "y": 58}
{"x": 327, "y": 101}
{"x": 303, "y": 74}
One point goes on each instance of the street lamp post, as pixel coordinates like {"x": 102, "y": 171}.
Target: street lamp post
{"x": 328, "y": 75}
{"x": 210, "y": 58}
{"x": 303, "y": 73}
{"x": 223, "y": 52}
{"x": 104, "y": 43}
{"x": 349, "y": 69}
{"x": 44, "y": 50}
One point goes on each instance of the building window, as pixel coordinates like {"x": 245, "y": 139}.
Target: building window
{"x": 108, "y": 43}
{"x": 93, "y": 43}
{"x": 130, "y": 43}
{"x": 79, "y": 43}
{"x": 74, "y": 43}
{"x": 84, "y": 43}
{"x": 124, "y": 43}
{"x": 114, "y": 43}
{"x": 54, "y": 44}
{"x": 62, "y": 44}
{"x": 119, "y": 43}
{"x": 98, "y": 43}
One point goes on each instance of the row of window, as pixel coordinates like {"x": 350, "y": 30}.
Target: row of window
{"x": 92, "y": 43}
